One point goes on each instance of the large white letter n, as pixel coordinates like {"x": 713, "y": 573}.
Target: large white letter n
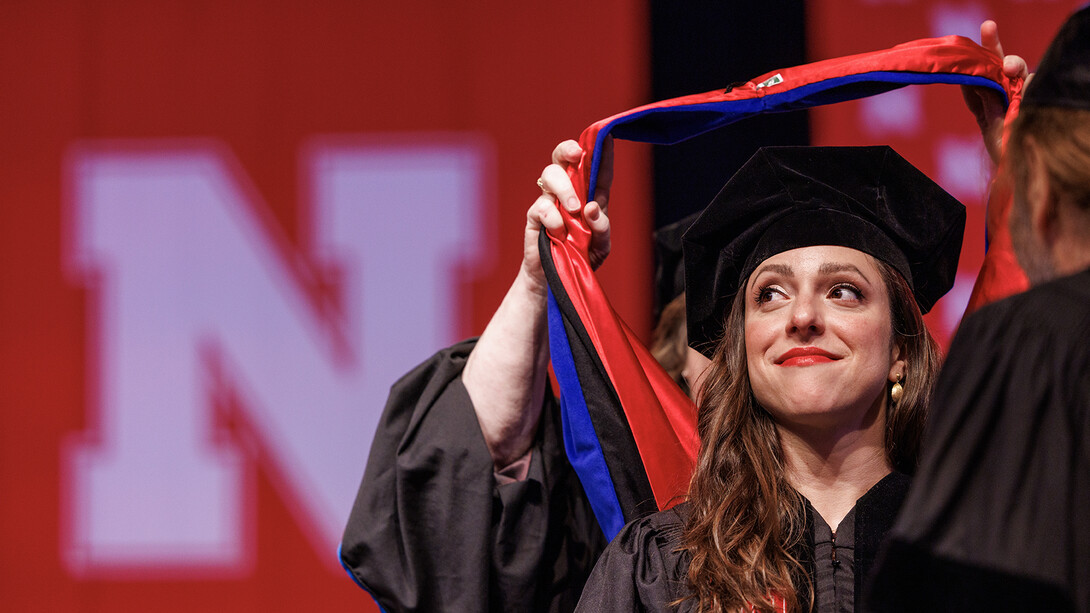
{"x": 202, "y": 313}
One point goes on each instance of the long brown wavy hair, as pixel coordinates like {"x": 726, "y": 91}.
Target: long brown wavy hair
{"x": 746, "y": 520}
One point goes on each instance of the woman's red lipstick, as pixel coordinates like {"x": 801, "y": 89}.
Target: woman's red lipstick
{"x": 805, "y": 356}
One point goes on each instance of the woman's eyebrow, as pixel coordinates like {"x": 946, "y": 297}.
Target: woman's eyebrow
{"x": 782, "y": 269}
{"x": 835, "y": 267}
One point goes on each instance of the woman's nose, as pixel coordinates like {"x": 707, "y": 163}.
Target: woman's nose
{"x": 806, "y": 317}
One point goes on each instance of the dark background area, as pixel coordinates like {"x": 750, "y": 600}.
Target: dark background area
{"x": 702, "y": 46}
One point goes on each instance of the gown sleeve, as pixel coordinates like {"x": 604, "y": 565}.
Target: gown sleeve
{"x": 432, "y": 530}
{"x": 641, "y": 569}
{"x": 996, "y": 516}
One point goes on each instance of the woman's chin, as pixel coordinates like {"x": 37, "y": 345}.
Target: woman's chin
{"x": 816, "y": 413}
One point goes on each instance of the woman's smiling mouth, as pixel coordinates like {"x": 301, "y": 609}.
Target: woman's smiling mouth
{"x": 805, "y": 356}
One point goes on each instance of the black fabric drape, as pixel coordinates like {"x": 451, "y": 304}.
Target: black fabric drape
{"x": 997, "y": 517}
{"x": 432, "y": 531}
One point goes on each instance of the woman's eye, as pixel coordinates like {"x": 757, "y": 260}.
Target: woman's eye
{"x": 845, "y": 292}
{"x": 769, "y": 294}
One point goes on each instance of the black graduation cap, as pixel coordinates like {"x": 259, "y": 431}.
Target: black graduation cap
{"x": 1063, "y": 77}
{"x": 866, "y": 198}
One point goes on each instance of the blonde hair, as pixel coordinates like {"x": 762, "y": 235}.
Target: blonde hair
{"x": 1062, "y": 136}
{"x": 671, "y": 341}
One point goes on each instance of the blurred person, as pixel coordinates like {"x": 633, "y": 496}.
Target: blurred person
{"x": 997, "y": 518}
{"x": 670, "y": 347}
{"x": 670, "y": 340}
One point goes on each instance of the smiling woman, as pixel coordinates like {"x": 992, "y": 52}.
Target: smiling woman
{"x": 818, "y": 321}
{"x": 806, "y": 278}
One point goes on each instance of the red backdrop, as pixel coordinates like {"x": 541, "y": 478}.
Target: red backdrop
{"x": 254, "y": 92}
{"x": 238, "y": 191}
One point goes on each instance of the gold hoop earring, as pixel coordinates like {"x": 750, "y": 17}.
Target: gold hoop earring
{"x": 896, "y": 391}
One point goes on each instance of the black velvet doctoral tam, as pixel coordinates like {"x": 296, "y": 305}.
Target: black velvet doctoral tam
{"x": 783, "y": 198}
{"x": 1063, "y": 77}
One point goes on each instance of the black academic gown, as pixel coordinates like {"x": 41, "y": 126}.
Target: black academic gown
{"x": 431, "y": 530}
{"x": 643, "y": 570}
{"x": 998, "y": 518}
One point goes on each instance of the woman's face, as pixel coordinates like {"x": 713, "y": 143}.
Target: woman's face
{"x": 818, "y": 337}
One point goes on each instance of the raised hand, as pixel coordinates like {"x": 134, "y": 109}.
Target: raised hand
{"x": 986, "y": 104}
